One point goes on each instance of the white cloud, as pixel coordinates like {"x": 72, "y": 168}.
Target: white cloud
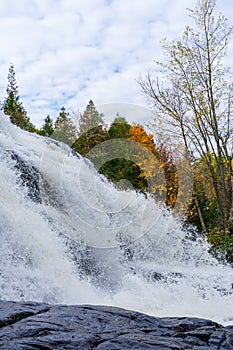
{"x": 68, "y": 51}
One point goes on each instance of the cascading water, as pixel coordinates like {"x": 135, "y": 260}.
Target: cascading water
{"x": 68, "y": 236}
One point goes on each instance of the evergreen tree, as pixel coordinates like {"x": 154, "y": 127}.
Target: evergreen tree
{"x": 90, "y": 118}
{"x": 92, "y": 137}
{"x": 91, "y": 130}
{"x": 47, "y": 128}
{"x": 64, "y": 128}
{"x": 13, "y": 107}
{"x": 12, "y": 87}
{"x": 119, "y": 128}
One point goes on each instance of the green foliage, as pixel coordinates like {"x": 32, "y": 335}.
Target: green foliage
{"x": 91, "y": 130}
{"x": 90, "y": 119}
{"x": 47, "y": 128}
{"x": 12, "y": 86}
{"x": 119, "y": 128}
{"x": 209, "y": 212}
{"x": 125, "y": 174}
{"x": 86, "y": 141}
{"x": 122, "y": 171}
{"x": 64, "y": 128}
{"x": 222, "y": 242}
{"x": 205, "y": 193}
{"x": 13, "y": 107}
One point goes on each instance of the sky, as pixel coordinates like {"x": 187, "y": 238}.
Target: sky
{"x": 66, "y": 52}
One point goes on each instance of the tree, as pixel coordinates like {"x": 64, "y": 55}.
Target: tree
{"x": 198, "y": 99}
{"x": 64, "y": 128}
{"x": 157, "y": 166}
{"x": 90, "y": 118}
{"x": 91, "y": 130}
{"x": 13, "y": 107}
{"x": 121, "y": 169}
{"x": 47, "y": 128}
{"x": 86, "y": 141}
{"x": 119, "y": 128}
{"x": 205, "y": 195}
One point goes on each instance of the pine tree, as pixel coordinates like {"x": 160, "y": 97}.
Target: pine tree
{"x": 90, "y": 118}
{"x": 64, "y": 128}
{"x": 91, "y": 130}
{"x": 13, "y": 107}
{"x": 47, "y": 128}
{"x": 119, "y": 128}
{"x": 86, "y": 141}
{"x": 12, "y": 87}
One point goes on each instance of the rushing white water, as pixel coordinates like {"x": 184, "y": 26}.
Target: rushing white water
{"x": 69, "y": 236}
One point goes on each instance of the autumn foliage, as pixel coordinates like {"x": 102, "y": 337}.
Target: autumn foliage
{"x": 157, "y": 166}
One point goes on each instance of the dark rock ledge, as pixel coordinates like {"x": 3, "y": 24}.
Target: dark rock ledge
{"x": 41, "y": 326}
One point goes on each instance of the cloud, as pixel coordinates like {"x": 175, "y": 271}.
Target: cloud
{"x": 66, "y": 52}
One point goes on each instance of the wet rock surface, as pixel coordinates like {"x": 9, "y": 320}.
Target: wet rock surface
{"x": 28, "y": 177}
{"x": 28, "y": 325}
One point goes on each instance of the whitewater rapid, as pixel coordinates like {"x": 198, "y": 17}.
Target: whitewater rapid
{"x": 69, "y": 236}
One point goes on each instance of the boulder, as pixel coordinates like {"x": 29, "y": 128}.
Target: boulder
{"x": 29, "y": 325}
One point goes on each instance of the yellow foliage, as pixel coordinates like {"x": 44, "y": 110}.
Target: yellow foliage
{"x": 156, "y": 166}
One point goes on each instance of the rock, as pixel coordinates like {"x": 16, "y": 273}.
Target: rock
{"x": 27, "y": 325}
{"x": 28, "y": 177}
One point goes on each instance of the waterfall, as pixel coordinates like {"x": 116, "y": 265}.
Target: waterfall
{"x": 70, "y": 236}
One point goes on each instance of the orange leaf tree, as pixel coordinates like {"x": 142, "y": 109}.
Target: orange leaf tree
{"x": 157, "y": 166}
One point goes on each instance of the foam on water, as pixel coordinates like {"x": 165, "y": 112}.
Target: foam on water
{"x": 80, "y": 240}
